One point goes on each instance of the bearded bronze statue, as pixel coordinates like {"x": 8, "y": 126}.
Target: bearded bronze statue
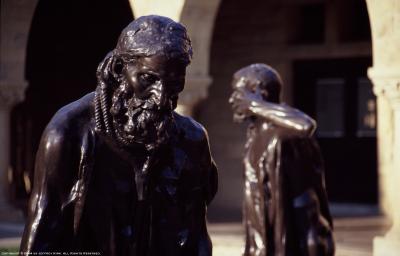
{"x": 118, "y": 172}
{"x": 285, "y": 210}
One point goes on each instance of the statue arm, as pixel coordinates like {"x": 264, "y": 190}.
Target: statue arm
{"x": 48, "y": 228}
{"x": 211, "y": 171}
{"x": 316, "y": 232}
{"x": 288, "y": 118}
{"x": 204, "y": 244}
{"x": 305, "y": 177}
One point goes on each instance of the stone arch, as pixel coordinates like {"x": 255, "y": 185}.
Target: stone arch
{"x": 16, "y": 18}
{"x": 256, "y": 39}
{"x": 63, "y": 50}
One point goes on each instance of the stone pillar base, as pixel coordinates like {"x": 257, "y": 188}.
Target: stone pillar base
{"x": 386, "y": 246}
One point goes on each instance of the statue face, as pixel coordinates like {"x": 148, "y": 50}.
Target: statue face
{"x": 143, "y": 104}
{"x": 245, "y": 90}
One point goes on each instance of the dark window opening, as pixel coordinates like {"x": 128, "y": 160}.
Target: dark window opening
{"x": 307, "y": 24}
{"x": 353, "y": 21}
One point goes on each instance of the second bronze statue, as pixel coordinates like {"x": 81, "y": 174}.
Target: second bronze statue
{"x": 285, "y": 205}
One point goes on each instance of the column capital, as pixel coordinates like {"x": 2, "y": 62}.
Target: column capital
{"x": 12, "y": 92}
{"x": 386, "y": 83}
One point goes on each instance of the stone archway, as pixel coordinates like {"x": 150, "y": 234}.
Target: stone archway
{"x": 64, "y": 48}
{"x": 16, "y": 20}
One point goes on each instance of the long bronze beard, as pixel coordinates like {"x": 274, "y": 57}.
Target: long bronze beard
{"x": 139, "y": 122}
{"x": 146, "y": 131}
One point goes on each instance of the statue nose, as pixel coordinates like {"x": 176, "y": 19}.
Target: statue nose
{"x": 159, "y": 95}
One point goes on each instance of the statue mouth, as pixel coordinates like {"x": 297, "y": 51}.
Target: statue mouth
{"x": 142, "y": 126}
{"x": 139, "y": 121}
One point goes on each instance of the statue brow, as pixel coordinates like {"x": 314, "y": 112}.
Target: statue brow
{"x": 128, "y": 58}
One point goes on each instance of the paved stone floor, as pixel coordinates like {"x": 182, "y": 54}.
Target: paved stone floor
{"x": 353, "y": 236}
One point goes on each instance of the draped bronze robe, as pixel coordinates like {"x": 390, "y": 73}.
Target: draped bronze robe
{"x": 285, "y": 205}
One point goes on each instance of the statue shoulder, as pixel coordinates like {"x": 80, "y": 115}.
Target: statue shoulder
{"x": 191, "y": 129}
{"x": 68, "y": 126}
{"x": 198, "y": 147}
{"x": 63, "y": 139}
{"x": 73, "y": 118}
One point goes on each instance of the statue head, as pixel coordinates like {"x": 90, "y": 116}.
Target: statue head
{"x": 260, "y": 82}
{"x": 139, "y": 82}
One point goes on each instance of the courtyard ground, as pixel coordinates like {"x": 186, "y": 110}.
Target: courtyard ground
{"x": 353, "y": 236}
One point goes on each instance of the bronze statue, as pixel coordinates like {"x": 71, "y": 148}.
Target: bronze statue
{"x": 285, "y": 205}
{"x": 118, "y": 172}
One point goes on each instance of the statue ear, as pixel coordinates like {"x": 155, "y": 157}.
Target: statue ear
{"x": 117, "y": 66}
{"x": 104, "y": 70}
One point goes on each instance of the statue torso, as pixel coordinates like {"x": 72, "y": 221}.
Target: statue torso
{"x": 115, "y": 222}
{"x": 161, "y": 224}
{"x": 262, "y": 157}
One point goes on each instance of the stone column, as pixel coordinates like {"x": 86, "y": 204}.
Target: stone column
{"x": 10, "y": 94}
{"x": 170, "y": 8}
{"x": 387, "y": 89}
{"x": 196, "y": 90}
{"x": 198, "y": 17}
{"x": 385, "y": 74}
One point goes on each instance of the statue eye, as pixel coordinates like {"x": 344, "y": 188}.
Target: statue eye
{"x": 147, "y": 79}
